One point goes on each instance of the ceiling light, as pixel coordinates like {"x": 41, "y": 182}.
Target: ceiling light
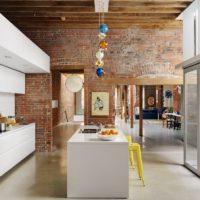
{"x": 63, "y": 18}
{"x": 103, "y": 29}
{"x": 101, "y": 5}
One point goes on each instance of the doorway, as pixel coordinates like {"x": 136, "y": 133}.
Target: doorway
{"x": 67, "y": 101}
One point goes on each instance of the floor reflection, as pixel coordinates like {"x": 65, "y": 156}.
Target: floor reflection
{"x": 43, "y": 175}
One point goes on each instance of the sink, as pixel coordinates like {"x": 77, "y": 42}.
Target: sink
{"x": 89, "y": 130}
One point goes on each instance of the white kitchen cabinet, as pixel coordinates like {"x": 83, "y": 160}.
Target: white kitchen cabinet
{"x": 7, "y": 104}
{"x": 15, "y": 145}
{"x": 11, "y": 81}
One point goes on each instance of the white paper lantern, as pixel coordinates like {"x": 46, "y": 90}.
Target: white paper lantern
{"x": 74, "y": 83}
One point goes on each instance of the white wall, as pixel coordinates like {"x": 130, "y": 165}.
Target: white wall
{"x": 7, "y": 104}
{"x": 188, "y": 30}
{"x": 79, "y": 102}
{"x": 11, "y": 81}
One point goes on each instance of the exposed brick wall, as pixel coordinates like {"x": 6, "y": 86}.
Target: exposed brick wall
{"x": 131, "y": 52}
{"x": 35, "y": 106}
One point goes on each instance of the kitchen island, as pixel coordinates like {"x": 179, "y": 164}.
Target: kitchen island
{"x": 96, "y": 168}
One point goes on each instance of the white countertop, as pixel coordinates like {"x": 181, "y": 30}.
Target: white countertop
{"x": 79, "y": 137}
{"x": 14, "y": 129}
{"x": 173, "y": 114}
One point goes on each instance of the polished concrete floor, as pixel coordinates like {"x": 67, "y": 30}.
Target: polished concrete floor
{"x": 43, "y": 175}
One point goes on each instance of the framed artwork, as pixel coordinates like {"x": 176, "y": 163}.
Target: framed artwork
{"x": 100, "y": 104}
{"x": 151, "y": 101}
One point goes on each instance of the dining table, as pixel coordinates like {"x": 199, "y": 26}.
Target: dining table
{"x": 175, "y": 120}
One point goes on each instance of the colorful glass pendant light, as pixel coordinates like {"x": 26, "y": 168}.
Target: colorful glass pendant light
{"x": 100, "y": 72}
{"x": 99, "y": 55}
{"x": 103, "y": 28}
{"x": 103, "y": 44}
{"x": 102, "y": 36}
{"x": 99, "y": 63}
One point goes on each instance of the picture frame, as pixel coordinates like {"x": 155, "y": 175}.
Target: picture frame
{"x": 100, "y": 104}
{"x": 151, "y": 101}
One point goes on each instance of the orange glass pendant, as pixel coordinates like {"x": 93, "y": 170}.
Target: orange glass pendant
{"x": 103, "y": 44}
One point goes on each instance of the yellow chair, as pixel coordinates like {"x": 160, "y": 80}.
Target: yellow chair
{"x": 135, "y": 147}
{"x": 130, "y": 141}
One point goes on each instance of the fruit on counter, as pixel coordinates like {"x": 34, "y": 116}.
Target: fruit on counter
{"x": 109, "y": 132}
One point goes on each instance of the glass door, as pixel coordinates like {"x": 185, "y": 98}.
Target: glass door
{"x": 191, "y": 120}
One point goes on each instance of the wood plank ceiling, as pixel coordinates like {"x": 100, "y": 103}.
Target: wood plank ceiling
{"x": 38, "y": 14}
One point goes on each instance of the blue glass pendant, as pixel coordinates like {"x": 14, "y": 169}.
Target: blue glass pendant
{"x": 103, "y": 28}
{"x": 100, "y": 72}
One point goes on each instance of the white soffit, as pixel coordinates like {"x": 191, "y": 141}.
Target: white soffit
{"x": 18, "y": 52}
{"x": 101, "y": 5}
{"x": 193, "y": 4}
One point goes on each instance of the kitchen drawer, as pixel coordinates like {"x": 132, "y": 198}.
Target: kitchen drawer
{"x": 16, "y": 154}
{"x": 15, "y": 138}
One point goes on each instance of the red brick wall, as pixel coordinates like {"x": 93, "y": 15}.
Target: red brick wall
{"x": 131, "y": 52}
{"x": 35, "y": 106}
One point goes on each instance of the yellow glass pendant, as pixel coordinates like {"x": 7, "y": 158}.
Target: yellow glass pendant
{"x": 99, "y": 63}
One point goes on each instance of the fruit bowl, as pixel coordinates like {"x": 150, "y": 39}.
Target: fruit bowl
{"x": 107, "y": 134}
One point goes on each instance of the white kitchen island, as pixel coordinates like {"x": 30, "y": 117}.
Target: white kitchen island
{"x": 97, "y": 169}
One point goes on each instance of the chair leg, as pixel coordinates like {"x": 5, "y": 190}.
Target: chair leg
{"x": 139, "y": 164}
{"x": 131, "y": 158}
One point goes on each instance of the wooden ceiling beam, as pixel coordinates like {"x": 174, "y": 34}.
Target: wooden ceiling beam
{"x": 81, "y": 13}
{"x": 185, "y": 1}
{"x": 96, "y": 21}
{"x": 144, "y": 81}
{"x": 90, "y": 25}
{"x": 80, "y": 26}
{"x": 154, "y": 4}
{"x": 63, "y": 10}
{"x": 107, "y": 15}
{"x": 53, "y": 23}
